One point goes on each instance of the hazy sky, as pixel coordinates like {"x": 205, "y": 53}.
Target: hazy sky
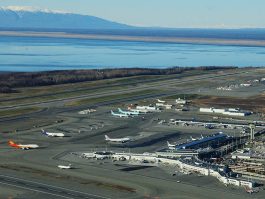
{"x": 165, "y": 13}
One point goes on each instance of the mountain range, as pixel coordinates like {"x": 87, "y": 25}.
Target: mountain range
{"x": 26, "y": 17}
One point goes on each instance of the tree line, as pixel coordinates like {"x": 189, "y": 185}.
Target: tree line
{"x": 10, "y": 81}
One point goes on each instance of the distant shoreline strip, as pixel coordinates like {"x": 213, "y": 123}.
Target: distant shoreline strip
{"x": 179, "y": 40}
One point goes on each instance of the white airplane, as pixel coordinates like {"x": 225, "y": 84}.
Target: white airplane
{"x": 119, "y": 114}
{"x": 52, "y": 134}
{"x": 122, "y": 140}
{"x": 139, "y": 111}
{"x": 161, "y": 101}
{"x": 84, "y": 112}
{"x": 69, "y": 166}
{"x": 171, "y": 146}
{"x": 193, "y": 139}
{"x": 128, "y": 112}
{"x": 198, "y": 163}
{"x": 22, "y": 146}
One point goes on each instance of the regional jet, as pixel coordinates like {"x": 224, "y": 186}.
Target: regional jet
{"x": 161, "y": 101}
{"x": 139, "y": 111}
{"x": 22, "y": 146}
{"x": 171, "y": 146}
{"x": 119, "y": 114}
{"x": 193, "y": 139}
{"x": 122, "y": 140}
{"x": 128, "y": 112}
{"x": 198, "y": 163}
{"x": 52, "y": 134}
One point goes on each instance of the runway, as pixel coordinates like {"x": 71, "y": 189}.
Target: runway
{"x": 49, "y": 190}
{"x": 155, "y": 84}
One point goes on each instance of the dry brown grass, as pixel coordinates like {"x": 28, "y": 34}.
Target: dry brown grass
{"x": 256, "y": 103}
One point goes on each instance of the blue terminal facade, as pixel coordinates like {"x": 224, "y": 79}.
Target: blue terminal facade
{"x": 204, "y": 141}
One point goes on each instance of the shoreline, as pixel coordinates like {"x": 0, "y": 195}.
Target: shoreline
{"x": 176, "y": 40}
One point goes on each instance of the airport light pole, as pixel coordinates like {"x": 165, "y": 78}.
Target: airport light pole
{"x": 252, "y": 132}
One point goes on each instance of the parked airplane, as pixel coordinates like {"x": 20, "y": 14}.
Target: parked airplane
{"x": 128, "y": 112}
{"x": 119, "y": 114}
{"x": 209, "y": 126}
{"x": 171, "y": 146}
{"x": 122, "y": 140}
{"x": 22, "y": 146}
{"x": 193, "y": 139}
{"x": 198, "y": 163}
{"x": 139, "y": 110}
{"x": 69, "y": 166}
{"x": 52, "y": 134}
{"x": 161, "y": 101}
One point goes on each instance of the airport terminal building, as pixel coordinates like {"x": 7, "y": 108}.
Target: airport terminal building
{"x": 204, "y": 142}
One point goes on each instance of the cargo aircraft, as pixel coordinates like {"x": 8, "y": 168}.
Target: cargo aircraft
{"x": 22, "y": 146}
{"x": 52, "y": 134}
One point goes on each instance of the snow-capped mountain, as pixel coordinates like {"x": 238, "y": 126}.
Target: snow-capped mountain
{"x": 28, "y": 17}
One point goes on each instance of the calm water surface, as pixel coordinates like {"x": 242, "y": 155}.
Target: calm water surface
{"x": 40, "y": 54}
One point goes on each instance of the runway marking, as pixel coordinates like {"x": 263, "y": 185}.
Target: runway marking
{"x": 56, "y": 187}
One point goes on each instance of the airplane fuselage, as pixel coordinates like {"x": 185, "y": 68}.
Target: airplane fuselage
{"x": 23, "y": 146}
{"x": 64, "y": 166}
{"x": 122, "y": 140}
{"x": 128, "y": 112}
{"x": 119, "y": 115}
{"x": 55, "y": 135}
{"x": 118, "y": 140}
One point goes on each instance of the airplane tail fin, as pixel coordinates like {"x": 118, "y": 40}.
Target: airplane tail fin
{"x": 119, "y": 109}
{"x": 194, "y": 139}
{"x": 112, "y": 112}
{"x": 10, "y": 142}
{"x": 168, "y": 144}
{"x": 107, "y": 137}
